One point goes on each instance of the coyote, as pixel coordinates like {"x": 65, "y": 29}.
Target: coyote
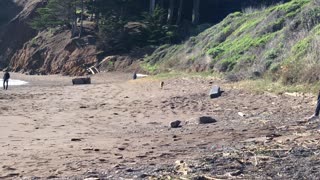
{"x": 161, "y": 84}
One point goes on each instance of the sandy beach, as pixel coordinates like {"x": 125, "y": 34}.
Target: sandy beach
{"x": 120, "y": 128}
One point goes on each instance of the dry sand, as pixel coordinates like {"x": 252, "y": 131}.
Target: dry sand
{"x": 117, "y": 127}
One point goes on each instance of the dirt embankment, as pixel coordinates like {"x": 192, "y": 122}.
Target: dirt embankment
{"x": 53, "y": 52}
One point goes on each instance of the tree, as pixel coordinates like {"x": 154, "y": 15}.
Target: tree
{"x": 179, "y": 12}
{"x": 152, "y": 5}
{"x": 81, "y": 19}
{"x": 195, "y": 12}
{"x": 170, "y": 11}
{"x": 57, "y": 12}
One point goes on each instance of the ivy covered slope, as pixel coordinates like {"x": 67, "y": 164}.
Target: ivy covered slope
{"x": 281, "y": 42}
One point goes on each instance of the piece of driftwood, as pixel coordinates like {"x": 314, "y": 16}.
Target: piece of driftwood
{"x": 93, "y": 70}
{"x": 81, "y": 81}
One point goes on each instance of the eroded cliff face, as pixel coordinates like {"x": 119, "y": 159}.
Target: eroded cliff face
{"x": 16, "y": 32}
{"x": 53, "y": 51}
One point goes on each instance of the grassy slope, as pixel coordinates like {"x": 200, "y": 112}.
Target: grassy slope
{"x": 279, "y": 42}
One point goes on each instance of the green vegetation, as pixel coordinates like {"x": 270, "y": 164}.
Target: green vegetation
{"x": 278, "y": 43}
{"x": 149, "y": 68}
{"x": 292, "y": 6}
{"x": 57, "y": 12}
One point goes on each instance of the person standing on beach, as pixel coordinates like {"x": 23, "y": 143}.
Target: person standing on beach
{"x": 316, "y": 114}
{"x": 6, "y": 78}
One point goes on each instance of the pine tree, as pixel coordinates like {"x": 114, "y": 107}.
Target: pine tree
{"x": 195, "y": 12}
{"x": 57, "y": 12}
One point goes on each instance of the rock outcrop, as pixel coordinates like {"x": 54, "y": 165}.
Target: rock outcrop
{"x": 51, "y": 51}
{"x": 54, "y": 51}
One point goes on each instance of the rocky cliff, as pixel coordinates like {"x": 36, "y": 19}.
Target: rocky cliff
{"x": 51, "y": 51}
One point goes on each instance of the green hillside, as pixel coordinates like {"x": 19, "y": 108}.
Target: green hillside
{"x": 280, "y": 42}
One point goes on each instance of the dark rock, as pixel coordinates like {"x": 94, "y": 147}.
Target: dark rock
{"x": 200, "y": 178}
{"x": 52, "y": 177}
{"x": 130, "y": 170}
{"x": 175, "y": 124}
{"x": 121, "y": 148}
{"x": 215, "y": 92}
{"x": 10, "y": 175}
{"x": 206, "y": 120}
{"x": 144, "y": 175}
{"x": 75, "y": 139}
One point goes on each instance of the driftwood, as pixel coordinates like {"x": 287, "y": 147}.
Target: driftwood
{"x": 81, "y": 81}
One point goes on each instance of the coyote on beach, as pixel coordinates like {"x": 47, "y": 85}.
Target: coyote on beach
{"x": 161, "y": 84}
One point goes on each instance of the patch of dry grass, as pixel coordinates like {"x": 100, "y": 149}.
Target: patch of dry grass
{"x": 264, "y": 85}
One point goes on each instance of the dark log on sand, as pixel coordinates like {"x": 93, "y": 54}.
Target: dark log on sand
{"x": 81, "y": 81}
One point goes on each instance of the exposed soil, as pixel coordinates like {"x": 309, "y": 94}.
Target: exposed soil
{"x": 54, "y": 52}
{"x": 120, "y": 128}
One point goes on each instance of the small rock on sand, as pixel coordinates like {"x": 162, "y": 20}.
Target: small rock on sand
{"x": 121, "y": 148}
{"x": 206, "y": 120}
{"x": 175, "y": 124}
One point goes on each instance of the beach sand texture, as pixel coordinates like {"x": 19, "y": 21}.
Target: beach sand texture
{"x": 50, "y": 128}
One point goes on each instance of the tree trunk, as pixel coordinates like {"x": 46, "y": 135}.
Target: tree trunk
{"x": 195, "y": 12}
{"x": 152, "y": 5}
{"x": 75, "y": 24}
{"x": 81, "y": 19}
{"x": 179, "y": 12}
{"x": 170, "y": 11}
{"x": 161, "y": 4}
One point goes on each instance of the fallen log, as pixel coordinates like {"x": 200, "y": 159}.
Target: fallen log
{"x": 81, "y": 81}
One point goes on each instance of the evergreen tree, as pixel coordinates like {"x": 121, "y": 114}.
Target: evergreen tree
{"x": 57, "y": 12}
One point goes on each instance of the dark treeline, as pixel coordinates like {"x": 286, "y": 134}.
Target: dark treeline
{"x": 124, "y": 24}
{"x": 8, "y": 10}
